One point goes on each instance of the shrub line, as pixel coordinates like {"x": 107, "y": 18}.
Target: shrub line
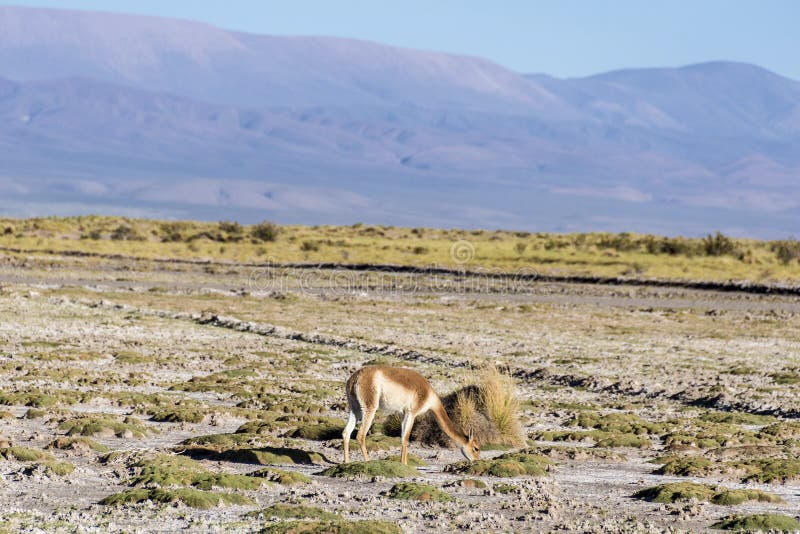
{"x": 735, "y": 286}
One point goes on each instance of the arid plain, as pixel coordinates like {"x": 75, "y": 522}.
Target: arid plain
{"x": 144, "y": 395}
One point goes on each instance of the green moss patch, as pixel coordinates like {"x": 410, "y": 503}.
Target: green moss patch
{"x": 685, "y": 491}
{"x": 130, "y": 357}
{"x": 293, "y": 511}
{"x": 40, "y": 399}
{"x": 217, "y": 442}
{"x": 764, "y": 470}
{"x": 504, "y": 489}
{"x": 230, "y": 381}
{"x": 98, "y": 425}
{"x": 566, "y": 452}
{"x": 178, "y": 415}
{"x": 679, "y": 491}
{"x": 686, "y": 466}
{"x": 759, "y": 523}
{"x": 737, "y": 418}
{"x": 271, "y": 456}
{"x": 782, "y": 431}
{"x": 35, "y": 413}
{"x": 381, "y": 442}
{"x": 711, "y": 434}
{"x": 318, "y": 431}
{"x": 413, "y": 491}
{"x": 620, "y": 423}
{"x": 314, "y": 427}
{"x": 413, "y": 460}
{"x": 25, "y": 454}
{"x": 507, "y": 465}
{"x": 260, "y": 426}
{"x": 786, "y": 378}
{"x": 600, "y": 438}
{"x": 372, "y": 468}
{"x": 57, "y": 468}
{"x": 333, "y": 527}
{"x": 77, "y": 443}
{"x": 470, "y": 483}
{"x": 190, "y": 497}
{"x": 294, "y": 408}
{"x": 166, "y": 471}
{"x": 734, "y": 497}
{"x": 285, "y": 478}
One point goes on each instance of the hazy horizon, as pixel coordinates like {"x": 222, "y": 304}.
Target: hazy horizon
{"x": 590, "y": 38}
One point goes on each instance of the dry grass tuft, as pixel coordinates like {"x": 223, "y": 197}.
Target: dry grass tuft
{"x": 465, "y": 409}
{"x": 499, "y": 401}
{"x": 488, "y": 407}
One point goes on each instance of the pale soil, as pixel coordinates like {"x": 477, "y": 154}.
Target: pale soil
{"x": 658, "y": 353}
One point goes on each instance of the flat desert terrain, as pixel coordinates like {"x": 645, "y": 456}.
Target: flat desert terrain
{"x": 142, "y": 396}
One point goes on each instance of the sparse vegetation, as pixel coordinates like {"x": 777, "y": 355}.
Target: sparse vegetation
{"x": 759, "y": 523}
{"x": 719, "y": 245}
{"x": 687, "y": 467}
{"x": 280, "y": 476}
{"x": 417, "y": 492}
{"x": 293, "y": 511}
{"x": 25, "y": 454}
{"x": 787, "y": 251}
{"x": 95, "y": 425}
{"x": 372, "y": 468}
{"x": 190, "y": 497}
{"x": 332, "y": 527}
{"x": 77, "y": 443}
{"x": 764, "y": 470}
{"x": 168, "y": 471}
{"x": 618, "y": 375}
{"x": 507, "y": 465}
{"x": 270, "y": 456}
{"x": 265, "y": 232}
{"x": 687, "y": 491}
{"x": 600, "y": 438}
{"x": 57, "y": 468}
{"x": 715, "y": 257}
{"x": 178, "y": 415}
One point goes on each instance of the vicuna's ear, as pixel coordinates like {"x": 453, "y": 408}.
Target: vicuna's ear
{"x": 469, "y": 436}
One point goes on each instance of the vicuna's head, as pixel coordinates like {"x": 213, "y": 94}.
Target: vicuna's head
{"x": 471, "y": 449}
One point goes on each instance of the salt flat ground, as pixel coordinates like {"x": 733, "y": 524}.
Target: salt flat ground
{"x": 622, "y": 388}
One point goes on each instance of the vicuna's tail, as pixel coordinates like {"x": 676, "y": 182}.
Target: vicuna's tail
{"x": 350, "y": 391}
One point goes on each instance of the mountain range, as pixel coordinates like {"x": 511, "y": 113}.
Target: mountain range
{"x": 167, "y": 118}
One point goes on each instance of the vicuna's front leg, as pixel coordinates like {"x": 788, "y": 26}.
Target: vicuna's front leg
{"x": 348, "y": 430}
{"x": 405, "y": 435}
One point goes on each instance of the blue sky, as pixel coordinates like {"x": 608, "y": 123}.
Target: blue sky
{"x": 559, "y": 37}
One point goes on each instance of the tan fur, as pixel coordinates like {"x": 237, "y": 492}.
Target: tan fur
{"x": 396, "y": 389}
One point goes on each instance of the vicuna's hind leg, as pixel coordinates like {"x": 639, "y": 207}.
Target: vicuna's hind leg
{"x": 348, "y": 430}
{"x": 405, "y": 435}
{"x": 366, "y": 423}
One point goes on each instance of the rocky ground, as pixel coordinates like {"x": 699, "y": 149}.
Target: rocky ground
{"x": 159, "y": 383}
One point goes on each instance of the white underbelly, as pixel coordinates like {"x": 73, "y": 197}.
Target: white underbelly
{"x": 396, "y": 399}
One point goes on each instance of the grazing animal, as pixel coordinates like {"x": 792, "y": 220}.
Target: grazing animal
{"x": 398, "y": 390}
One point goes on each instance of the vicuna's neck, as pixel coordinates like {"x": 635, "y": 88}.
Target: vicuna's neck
{"x": 447, "y": 425}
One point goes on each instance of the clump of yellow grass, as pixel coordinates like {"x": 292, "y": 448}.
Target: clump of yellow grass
{"x": 498, "y": 400}
{"x": 487, "y": 406}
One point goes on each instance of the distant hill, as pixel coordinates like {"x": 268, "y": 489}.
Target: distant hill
{"x": 143, "y": 115}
